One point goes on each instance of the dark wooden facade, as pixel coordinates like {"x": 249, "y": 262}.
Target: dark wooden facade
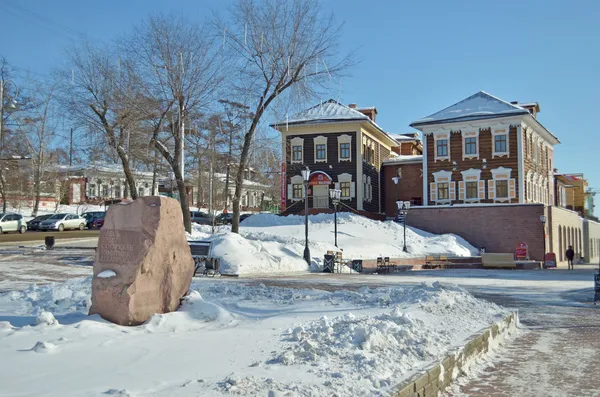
{"x": 485, "y": 142}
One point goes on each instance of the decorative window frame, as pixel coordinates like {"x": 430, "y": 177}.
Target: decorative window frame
{"x": 345, "y": 177}
{"x": 496, "y": 131}
{"x": 444, "y": 177}
{"x": 296, "y": 142}
{"x": 320, "y": 140}
{"x": 468, "y": 133}
{"x": 529, "y": 186}
{"x": 470, "y": 175}
{"x": 296, "y": 180}
{"x": 344, "y": 139}
{"x": 437, "y": 136}
{"x": 502, "y": 174}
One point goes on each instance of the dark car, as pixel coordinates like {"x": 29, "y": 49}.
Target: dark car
{"x": 91, "y": 216}
{"x": 34, "y": 224}
{"x": 224, "y": 219}
{"x": 244, "y": 217}
{"x": 200, "y": 218}
{"x": 96, "y": 223}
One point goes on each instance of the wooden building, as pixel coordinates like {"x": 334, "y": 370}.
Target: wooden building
{"x": 344, "y": 148}
{"x": 486, "y": 150}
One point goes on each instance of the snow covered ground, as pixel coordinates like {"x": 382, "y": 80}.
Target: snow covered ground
{"x": 230, "y": 338}
{"x": 271, "y": 243}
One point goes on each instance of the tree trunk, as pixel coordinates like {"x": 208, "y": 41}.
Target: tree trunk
{"x": 239, "y": 179}
{"x": 227, "y": 171}
{"x": 130, "y": 180}
{"x": 154, "y": 192}
{"x": 37, "y": 186}
{"x": 3, "y": 190}
{"x": 183, "y": 198}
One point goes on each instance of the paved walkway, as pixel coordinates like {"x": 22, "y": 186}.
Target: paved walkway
{"x": 558, "y": 354}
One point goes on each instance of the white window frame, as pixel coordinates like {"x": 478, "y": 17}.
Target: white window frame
{"x": 501, "y": 174}
{"x": 438, "y": 136}
{"x": 345, "y": 177}
{"x": 504, "y": 130}
{"x": 320, "y": 140}
{"x": 443, "y": 177}
{"x": 470, "y": 134}
{"x": 297, "y": 180}
{"x": 344, "y": 139}
{"x": 296, "y": 142}
{"x": 529, "y": 186}
{"x": 471, "y": 175}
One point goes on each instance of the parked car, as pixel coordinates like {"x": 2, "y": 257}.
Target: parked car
{"x": 62, "y": 222}
{"x": 200, "y": 218}
{"x": 96, "y": 223}
{"x": 34, "y": 224}
{"x": 244, "y": 217}
{"x": 223, "y": 219}
{"x": 12, "y": 223}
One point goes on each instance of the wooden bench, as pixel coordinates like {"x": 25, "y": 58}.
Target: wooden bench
{"x": 435, "y": 261}
{"x": 202, "y": 255}
{"x": 497, "y": 260}
{"x": 384, "y": 265}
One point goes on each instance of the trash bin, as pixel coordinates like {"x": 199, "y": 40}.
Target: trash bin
{"x": 357, "y": 265}
{"x": 49, "y": 241}
{"x": 328, "y": 263}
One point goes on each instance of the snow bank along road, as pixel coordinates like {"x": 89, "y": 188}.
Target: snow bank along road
{"x": 557, "y": 353}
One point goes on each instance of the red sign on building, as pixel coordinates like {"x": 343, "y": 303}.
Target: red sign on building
{"x": 550, "y": 260}
{"x": 522, "y": 251}
{"x": 283, "y": 187}
{"x": 319, "y": 178}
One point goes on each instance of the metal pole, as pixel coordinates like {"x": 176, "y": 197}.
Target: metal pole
{"x": 335, "y": 221}
{"x": 182, "y": 136}
{"x": 1, "y": 113}
{"x": 544, "y": 236}
{"x": 71, "y": 149}
{"x": 404, "y": 222}
{"x": 306, "y": 250}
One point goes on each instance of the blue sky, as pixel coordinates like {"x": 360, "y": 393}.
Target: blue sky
{"x": 417, "y": 57}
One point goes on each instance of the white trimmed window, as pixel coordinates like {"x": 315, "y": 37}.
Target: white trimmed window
{"x": 502, "y": 188}
{"x": 297, "y": 150}
{"x": 471, "y": 189}
{"x": 529, "y": 186}
{"x": 500, "y": 144}
{"x": 441, "y": 146}
{"x": 470, "y": 142}
{"x": 367, "y": 189}
{"x": 296, "y": 188}
{"x": 347, "y": 186}
{"x": 344, "y": 148}
{"x": 320, "y": 149}
{"x": 443, "y": 190}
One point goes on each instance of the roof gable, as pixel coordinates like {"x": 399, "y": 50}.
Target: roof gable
{"x": 478, "y": 106}
{"x": 330, "y": 110}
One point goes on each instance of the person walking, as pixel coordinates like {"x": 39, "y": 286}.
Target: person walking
{"x": 570, "y": 254}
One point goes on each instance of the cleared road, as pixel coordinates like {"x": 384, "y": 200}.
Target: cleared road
{"x": 35, "y": 236}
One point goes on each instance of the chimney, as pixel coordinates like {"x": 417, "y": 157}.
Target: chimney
{"x": 352, "y": 106}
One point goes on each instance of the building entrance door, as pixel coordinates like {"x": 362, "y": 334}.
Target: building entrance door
{"x": 320, "y": 196}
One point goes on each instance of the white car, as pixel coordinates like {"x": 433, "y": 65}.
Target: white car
{"x": 62, "y": 222}
{"x": 12, "y": 223}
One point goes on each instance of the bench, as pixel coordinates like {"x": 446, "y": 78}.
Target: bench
{"x": 201, "y": 253}
{"x": 496, "y": 260}
{"x": 435, "y": 261}
{"x": 384, "y": 265}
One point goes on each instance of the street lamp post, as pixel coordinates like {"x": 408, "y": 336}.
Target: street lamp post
{"x": 305, "y": 177}
{"x": 335, "y": 195}
{"x": 396, "y": 180}
{"x": 404, "y": 213}
{"x": 543, "y": 220}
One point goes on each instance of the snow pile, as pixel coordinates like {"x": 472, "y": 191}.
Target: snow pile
{"x": 243, "y": 340}
{"x": 107, "y": 274}
{"x": 269, "y": 243}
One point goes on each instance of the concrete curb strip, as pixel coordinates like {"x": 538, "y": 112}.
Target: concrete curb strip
{"x": 439, "y": 376}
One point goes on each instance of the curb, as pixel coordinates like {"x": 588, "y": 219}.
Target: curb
{"x": 441, "y": 375}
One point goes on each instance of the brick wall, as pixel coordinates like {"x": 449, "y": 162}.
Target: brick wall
{"x": 409, "y": 187}
{"x": 498, "y": 228}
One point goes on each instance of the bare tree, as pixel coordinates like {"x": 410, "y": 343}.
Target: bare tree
{"x": 100, "y": 89}
{"x": 178, "y": 66}
{"x": 38, "y": 130}
{"x": 277, "y": 45}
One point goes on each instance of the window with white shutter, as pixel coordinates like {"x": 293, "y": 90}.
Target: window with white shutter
{"x": 481, "y": 190}
{"x": 461, "y": 190}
